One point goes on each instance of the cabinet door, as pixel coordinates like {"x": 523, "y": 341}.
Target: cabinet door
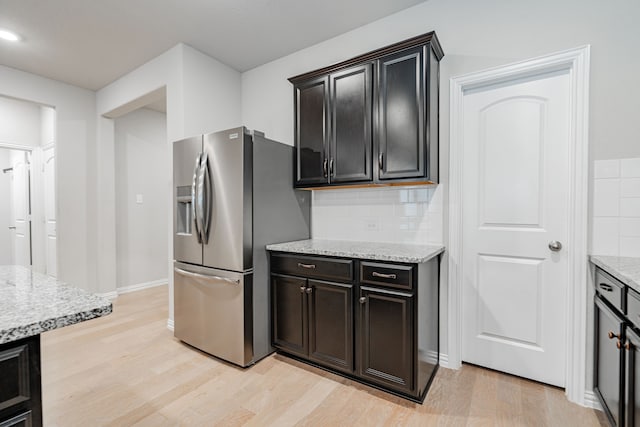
{"x": 386, "y": 341}
{"x": 632, "y": 395}
{"x": 609, "y": 361}
{"x": 289, "y": 313}
{"x": 331, "y": 324}
{"x": 350, "y": 154}
{"x": 312, "y": 131}
{"x": 401, "y": 118}
{"x": 20, "y": 383}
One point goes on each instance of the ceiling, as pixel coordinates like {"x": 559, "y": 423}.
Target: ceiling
{"x": 92, "y": 43}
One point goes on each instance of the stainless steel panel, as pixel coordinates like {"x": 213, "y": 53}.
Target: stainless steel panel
{"x": 280, "y": 214}
{"x": 186, "y": 246}
{"x": 229, "y": 165}
{"x": 212, "y": 311}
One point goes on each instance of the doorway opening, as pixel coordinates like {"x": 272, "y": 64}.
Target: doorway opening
{"x": 142, "y": 182}
{"x": 27, "y": 185}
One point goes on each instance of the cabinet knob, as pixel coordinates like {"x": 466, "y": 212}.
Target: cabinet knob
{"x": 324, "y": 168}
{"x": 619, "y": 344}
{"x": 363, "y": 300}
{"x": 309, "y": 290}
{"x": 611, "y": 335}
{"x": 302, "y": 288}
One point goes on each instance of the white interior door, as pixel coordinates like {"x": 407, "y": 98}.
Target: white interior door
{"x": 21, "y": 208}
{"x": 515, "y": 202}
{"x": 49, "y": 170}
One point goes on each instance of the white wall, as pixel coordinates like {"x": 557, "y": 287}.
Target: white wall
{"x": 210, "y": 94}
{"x": 75, "y": 136}
{"x": 6, "y": 214}
{"x": 616, "y": 207}
{"x": 141, "y": 156}
{"x": 398, "y": 215}
{"x": 47, "y": 125}
{"x": 19, "y": 122}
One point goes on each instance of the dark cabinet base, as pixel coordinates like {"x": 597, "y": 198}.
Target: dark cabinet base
{"x": 377, "y": 323}
{"x": 20, "y": 387}
{"x": 417, "y": 399}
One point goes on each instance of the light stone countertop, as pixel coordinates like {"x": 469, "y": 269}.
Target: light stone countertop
{"x": 625, "y": 269}
{"x": 32, "y": 303}
{"x": 397, "y": 252}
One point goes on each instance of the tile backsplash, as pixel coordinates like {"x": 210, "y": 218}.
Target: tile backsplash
{"x": 383, "y": 214}
{"x": 616, "y": 207}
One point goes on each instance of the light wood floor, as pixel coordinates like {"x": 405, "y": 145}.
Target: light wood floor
{"x": 127, "y": 369}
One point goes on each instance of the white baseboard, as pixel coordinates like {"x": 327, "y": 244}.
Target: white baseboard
{"x": 591, "y": 400}
{"x": 109, "y": 295}
{"x": 141, "y": 286}
{"x": 170, "y": 324}
{"x": 444, "y": 360}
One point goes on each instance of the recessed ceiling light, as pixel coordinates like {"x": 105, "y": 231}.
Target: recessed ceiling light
{"x": 9, "y": 35}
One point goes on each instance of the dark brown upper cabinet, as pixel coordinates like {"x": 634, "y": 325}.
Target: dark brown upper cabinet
{"x": 371, "y": 120}
{"x": 333, "y": 128}
{"x": 312, "y": 131}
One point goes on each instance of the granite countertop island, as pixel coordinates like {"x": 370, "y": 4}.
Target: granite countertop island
{"x": 32, "y": 303}
{"x": 625, "y": 269}
{"x": 397, "y": 252}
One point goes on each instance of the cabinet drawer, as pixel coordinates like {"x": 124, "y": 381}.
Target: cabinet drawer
{"x": 611, "y": 289}
{"x": 390, "y": 275}
{"x": 313, "y": 267}
{"x": 21, "y": 420}
{"x": 633, "y": 307}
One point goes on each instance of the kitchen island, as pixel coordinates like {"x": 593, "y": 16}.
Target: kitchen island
{"x": 30, "y": 304}
{"x": 368, "y": 311}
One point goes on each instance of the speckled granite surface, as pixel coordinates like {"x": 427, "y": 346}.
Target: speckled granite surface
{"x": 625, "y": 269}
{"x": 365, "y": 250}
{"x": 32, "y": 303}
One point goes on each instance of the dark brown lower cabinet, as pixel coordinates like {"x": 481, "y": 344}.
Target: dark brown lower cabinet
{"x": 386, "y": 338}
{"x": 632, "y": 392}
{"x": 331, "y": 324}
{"x": 289, "y": 313}
{"x": 20, "y": 388}
{"x": 375, "y": 322}
{"x": 609, "y": 361}
{"x": 313, "y": 319}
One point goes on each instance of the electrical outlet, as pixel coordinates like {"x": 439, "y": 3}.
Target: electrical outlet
{"x": 139, "y": 199}
{"x": 371, "y": 225}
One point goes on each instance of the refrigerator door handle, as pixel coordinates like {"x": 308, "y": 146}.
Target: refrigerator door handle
{"x": 194, "y": 198}
{"x": 204, "y": 199}
{"x": 205, "y": 277}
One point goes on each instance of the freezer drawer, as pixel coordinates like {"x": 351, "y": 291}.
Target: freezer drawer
{"x": 213, "y": 311}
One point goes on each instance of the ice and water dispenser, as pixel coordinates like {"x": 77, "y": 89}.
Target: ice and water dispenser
{"x": 184, "y": 212}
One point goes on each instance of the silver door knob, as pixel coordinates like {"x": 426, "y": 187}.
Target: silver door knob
{"x": 555, "y": 246}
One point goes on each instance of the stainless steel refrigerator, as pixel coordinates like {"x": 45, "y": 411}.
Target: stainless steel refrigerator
{"x": 233, "y": 195}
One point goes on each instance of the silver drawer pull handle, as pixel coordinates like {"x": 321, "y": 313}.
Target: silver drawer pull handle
{"x": 205, "y": 277}
{"x": 384, "y": 276}
{"x": 605, "y": 287}
{"x": 301, "y": 265}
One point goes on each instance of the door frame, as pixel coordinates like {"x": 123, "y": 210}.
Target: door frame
{"x": 576, "y": 62}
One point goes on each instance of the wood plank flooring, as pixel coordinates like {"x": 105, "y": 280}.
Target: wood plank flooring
{"x": 127, "y": 369}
